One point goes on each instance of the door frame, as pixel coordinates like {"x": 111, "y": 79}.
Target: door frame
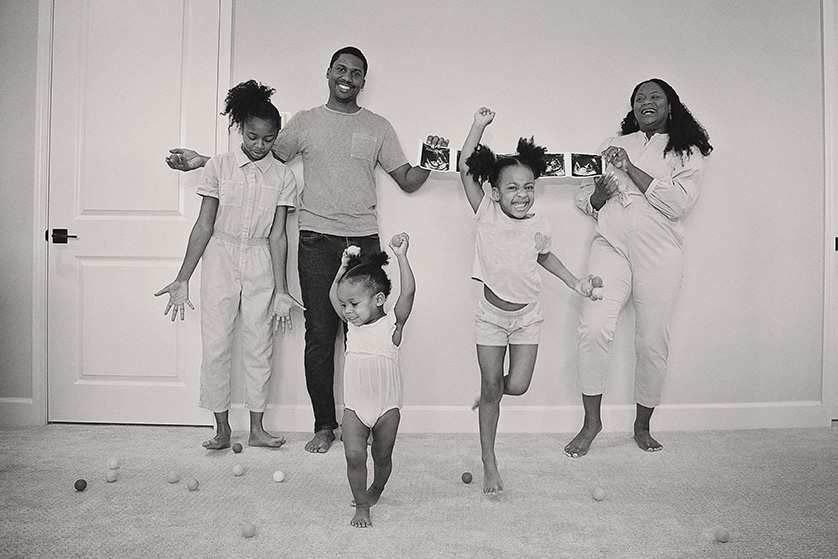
{"x": 35, "y": 411}
{"x": 829, "y": 19}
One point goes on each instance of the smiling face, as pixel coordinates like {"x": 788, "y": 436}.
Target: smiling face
{"x": 651, "y": 108}
{"x": 346, "y": 80}
{"x": 515, "y": 191}
{"x": 358, "y": 303}
{"x": 258, "y": 136}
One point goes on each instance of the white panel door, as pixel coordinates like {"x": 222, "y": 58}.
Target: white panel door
{"x": 129, "y": 80}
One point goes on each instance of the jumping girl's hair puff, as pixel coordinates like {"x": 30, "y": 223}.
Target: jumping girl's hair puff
{"x": 250, "y": 100}
{"x": 368, "y": 270}
{"x": 484, "y": 166}
{"x": 683, "y": 129}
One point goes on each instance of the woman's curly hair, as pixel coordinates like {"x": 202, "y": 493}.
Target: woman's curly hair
{"x": 250, "y": 100}
{"x": 484, "y": 165}
{"x": 368, "y": 270}
{"x": 683, "y": 129}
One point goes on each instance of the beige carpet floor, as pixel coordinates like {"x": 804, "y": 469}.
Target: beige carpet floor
{"x": 775, "y": 491}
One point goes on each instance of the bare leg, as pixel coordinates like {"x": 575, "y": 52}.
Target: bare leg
{"x": 385, "y": 430}
{"x": 493, "y": 386}
{"x": 258, "y": 435}
{"x": 641, "y": 430}
{"x": 355, "y": 435}
{"x": 490, "y": 359}
{"x": 321, "y": 441}
{"x": 222, "y": 433}
{"x": 591, "y": 427}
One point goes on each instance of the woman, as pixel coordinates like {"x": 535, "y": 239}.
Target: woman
{"x": 654, "y": 168}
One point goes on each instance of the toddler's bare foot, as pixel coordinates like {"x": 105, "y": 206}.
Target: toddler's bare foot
{"x": 374, "y": 494}
{"x": 218, "y": 442}
{"x": 492, "y": 482}
{"x": 321, "y": 441}
{"x": 260, "y": 437}
{"x": 581, "y": 443}
{"x": 645, "y": 441}
{"x": 362, "y": 517}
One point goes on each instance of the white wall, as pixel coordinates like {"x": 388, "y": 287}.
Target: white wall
{"x": 748, "y": 335}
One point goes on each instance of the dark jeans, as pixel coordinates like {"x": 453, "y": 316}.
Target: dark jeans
{"x": 318, "y": 260}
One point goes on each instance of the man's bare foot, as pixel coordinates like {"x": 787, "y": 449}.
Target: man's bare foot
{"x": 581, "y": 443}
{"x": 362, "y": 517}
{"x": 321, "y": 442}
{"x": 260, "y": 437}
{"x": 492, "y": 482}
{"x": 218, "y": 442}
{"x": 645, "y": 441}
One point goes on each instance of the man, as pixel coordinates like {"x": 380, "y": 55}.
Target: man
{"x": 340, "y": 143}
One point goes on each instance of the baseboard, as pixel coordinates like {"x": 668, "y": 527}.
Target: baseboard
{"x": 21, "y": 412}
{"x": 568, "y": 419}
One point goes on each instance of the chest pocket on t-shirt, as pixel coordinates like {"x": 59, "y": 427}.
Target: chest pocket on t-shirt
{"x": 230, "y": 193}
{"x": 364, "y": 146}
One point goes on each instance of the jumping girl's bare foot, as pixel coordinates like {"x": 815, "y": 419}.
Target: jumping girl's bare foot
{"x": 321, "y": 442}
{"x": 362, "y": 517}
{"x": 492, "y": 482}
{"x": 645, "y": 441}
{"x": 581, "y": 443}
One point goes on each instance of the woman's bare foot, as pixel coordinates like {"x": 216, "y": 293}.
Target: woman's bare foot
{"x": 260, "y": 437}
{"x": 645, "y": 441}
{"x": 218, "y": 442}
{"x": 581, "y": 443}
{"x": 362, "y": 517}
{"x": 492, "y": 482}
{"x": 321, "y": 442}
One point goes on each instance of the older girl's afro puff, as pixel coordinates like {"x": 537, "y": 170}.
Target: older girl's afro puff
{"x": 250, "y": 100}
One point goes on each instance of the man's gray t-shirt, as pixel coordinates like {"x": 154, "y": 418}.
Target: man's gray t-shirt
{"x": 340, "y": 152}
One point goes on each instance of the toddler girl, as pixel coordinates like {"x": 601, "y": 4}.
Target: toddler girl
{"x": 372, "y": 377}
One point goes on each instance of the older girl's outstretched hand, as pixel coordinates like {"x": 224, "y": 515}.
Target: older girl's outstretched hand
{"x": 178, "y": 298}
{"x": 284, "y": 303}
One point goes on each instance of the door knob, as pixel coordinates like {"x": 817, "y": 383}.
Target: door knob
{"x": 60, "y": 236}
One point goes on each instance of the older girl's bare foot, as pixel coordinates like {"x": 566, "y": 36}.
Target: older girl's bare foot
{"x": 362, "y": 517}
{"x": 645, "y": 441}
{"x": 581, "y": 443}
{"x": 218, "y": 442}
{"x": 260, "y": 437}
{"x": 321, "y": 441}
{"x": 492, "y": 482}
